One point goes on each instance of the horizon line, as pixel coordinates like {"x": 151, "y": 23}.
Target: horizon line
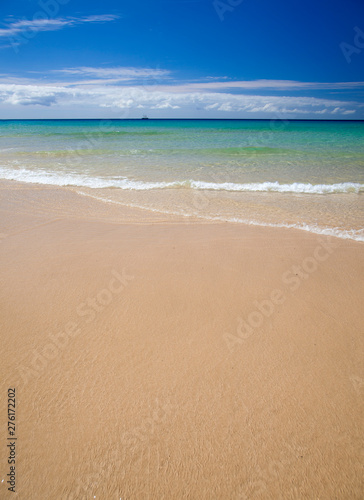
{"x": 188, "y": 119}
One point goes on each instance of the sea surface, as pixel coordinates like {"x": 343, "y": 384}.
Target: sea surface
{"x": 303, "y": 174}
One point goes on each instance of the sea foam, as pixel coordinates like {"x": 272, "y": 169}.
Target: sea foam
{"x": 346, "y": 234}
{"x": 77, "y": 180}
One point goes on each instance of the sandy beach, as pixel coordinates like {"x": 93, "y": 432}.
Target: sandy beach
{"x": 170, "y": 358}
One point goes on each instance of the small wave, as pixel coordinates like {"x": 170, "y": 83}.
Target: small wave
{"x": 72, "y": 179}
{"x": 345, "y": 234}
{"x": 296, "y": 187}
{"x": 245, "y": 151}
{"x": 54, "y": 179}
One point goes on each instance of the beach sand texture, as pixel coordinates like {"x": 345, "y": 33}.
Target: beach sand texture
{"x": 161, "y": 358}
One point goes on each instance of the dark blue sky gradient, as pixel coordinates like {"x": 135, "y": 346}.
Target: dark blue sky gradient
{"x": 258, "y": 39}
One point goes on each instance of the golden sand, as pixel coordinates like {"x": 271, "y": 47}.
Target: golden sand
{"x": 159, "y": 358}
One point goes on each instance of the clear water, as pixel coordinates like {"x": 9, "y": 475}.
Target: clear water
{"x": 305, "y": 174}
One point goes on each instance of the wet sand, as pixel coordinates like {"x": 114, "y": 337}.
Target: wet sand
{"x": 165, "y": 358}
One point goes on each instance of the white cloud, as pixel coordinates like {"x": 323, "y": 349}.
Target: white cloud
{"x": 35, "y": 25}
{"x": 164, "y": 105}
{"x": 116, "y": 73}
{"x": 24, "y": 26}
{"x": 133, "y": 98}
{"x": 156, "y": 79}
{"x": 25, "y": 95}
{"x": 261, "y": 85}
{"x": 103, "y": 18}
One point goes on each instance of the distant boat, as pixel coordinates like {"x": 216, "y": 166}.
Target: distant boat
{"x": 145, "y": 117}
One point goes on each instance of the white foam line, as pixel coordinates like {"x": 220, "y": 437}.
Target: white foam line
{"x": 296, "y": 187}
{"x": 24, "y": 175}
{"x": 355, "y": 235}
{"x": 52, "y": 178}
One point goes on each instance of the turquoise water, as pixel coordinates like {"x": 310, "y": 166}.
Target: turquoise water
{"x": 306, "y": 174}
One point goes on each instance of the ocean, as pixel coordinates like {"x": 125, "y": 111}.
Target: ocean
{"x": 303, "y": 174}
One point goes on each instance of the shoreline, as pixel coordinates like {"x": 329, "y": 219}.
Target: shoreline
{"x": 182, "y": 119}
{"x": 124, "y": 209}
{"x": 156, "y": 357}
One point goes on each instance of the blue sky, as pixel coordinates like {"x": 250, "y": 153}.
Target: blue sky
{"x": 182, "y": 58}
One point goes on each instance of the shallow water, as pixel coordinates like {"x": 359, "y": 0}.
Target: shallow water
{"x": 304, "y": 174}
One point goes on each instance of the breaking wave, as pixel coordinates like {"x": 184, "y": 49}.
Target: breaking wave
{"x": 70, "y": 179}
